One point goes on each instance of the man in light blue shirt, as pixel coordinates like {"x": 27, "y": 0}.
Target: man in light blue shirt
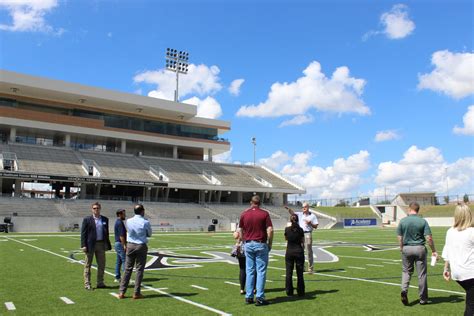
{"x": 138, "y": 231}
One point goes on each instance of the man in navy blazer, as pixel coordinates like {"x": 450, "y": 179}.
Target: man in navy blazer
{"x": 95, "y": 241}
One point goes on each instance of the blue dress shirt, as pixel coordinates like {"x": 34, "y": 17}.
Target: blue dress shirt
{"x": 138, "y": 229}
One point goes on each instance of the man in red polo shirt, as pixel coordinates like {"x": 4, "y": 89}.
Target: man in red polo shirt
{"x": 256, "y": 231}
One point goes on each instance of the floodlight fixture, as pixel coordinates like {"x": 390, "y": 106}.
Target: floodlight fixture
{"x": 177, "y": 62}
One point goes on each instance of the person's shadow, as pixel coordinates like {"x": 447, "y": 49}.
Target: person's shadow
{"x": 440, "y": 300}
{"x": 308, "y": 295}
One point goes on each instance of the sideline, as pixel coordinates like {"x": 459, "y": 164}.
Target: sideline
{"x": 374, "y": 281}
{"x": 145, "y": 286}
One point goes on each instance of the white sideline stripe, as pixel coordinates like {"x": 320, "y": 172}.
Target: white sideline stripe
{"x": 359, "y": 268}
{"x": 392, "y": 263}
{"x": 369, "y": 258}
{"x": 374, "y": 265}
{"x": 144, "y": 286}
{"x": 284, "y": 275}
{"x": 232, "y": 283}
{"x": 374, "y": 281}
{"x": 10, "y": 306}
{"x": 114, "y": 294}
{"x": 66, "y": 300}
{"x": 199, "y": 287}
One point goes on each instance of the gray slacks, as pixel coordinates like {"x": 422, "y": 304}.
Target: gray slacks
{"x": 308, "y": 244}
{"x": 411, "y": 256}
{"x": 136, "y": 254}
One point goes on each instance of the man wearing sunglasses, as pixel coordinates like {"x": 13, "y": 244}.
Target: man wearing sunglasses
{"x": 95, "y": 241}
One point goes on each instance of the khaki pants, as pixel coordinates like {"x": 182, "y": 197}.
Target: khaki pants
{"x": 308, "y": 244}
{"x": 99, "y": 253}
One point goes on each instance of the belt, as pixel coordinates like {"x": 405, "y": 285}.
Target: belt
{"x": 259, "y": 241}
{"x": 307, "y": 232}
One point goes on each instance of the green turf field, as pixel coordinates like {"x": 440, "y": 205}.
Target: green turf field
{"x": 36, "y": 272}
{"x": 437, "y": 210}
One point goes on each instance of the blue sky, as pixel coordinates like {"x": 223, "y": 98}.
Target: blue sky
{"x": 319, "y": 80}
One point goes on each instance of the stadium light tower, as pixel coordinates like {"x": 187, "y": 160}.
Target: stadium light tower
{"x": 254, "y": 142}
{"x": 178, "y": 63}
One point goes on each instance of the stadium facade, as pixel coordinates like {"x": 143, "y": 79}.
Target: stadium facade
{"x": 94, "y": 143}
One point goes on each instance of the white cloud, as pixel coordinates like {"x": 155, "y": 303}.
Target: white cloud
{"x": 338, "y": 180}
{"x": 276, "y": 160}
{"x": 453, "y": 74}
{"x": 235, "y": 85}
{"x": 468, "y": 120}
{"x": 200, "y": 79}
{"x": 298, "y": 120}
{"x": 383, "y": 136}
{"x": 396, "y": 24}
{"x": 340, "y": 94}
{"x": 29, "y": 16}
{"x": 208, "y": 107}
{"x": 425, "y": 170}
{"x": 222, "y": 158}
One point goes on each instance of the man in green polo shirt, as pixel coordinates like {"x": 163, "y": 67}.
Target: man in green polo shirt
{"x": 413, "y": 231}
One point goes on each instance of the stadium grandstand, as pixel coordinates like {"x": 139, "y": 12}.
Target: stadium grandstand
{"x": 64, "y": 145}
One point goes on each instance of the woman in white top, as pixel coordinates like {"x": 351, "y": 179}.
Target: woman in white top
{"x": 458, "y": 254}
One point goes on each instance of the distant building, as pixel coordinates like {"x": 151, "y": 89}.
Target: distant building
{"x": 422, "y": 198}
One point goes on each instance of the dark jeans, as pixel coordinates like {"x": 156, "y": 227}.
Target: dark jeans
{"x": 468, "y": 286}
{"x": 291, "y": 260}
{"x": 120, "y": 262}
{"x": 135, "y": 254}
{"x": 242, "y": 274}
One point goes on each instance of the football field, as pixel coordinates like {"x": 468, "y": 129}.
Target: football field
{"x": 193, "y": 273}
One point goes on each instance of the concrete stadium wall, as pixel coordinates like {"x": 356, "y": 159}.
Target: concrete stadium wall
{"x": 440, "y": 221}
{"x": 42, "y": 224}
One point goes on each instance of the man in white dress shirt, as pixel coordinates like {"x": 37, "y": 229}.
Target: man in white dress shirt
{"x": 308, "y": 221}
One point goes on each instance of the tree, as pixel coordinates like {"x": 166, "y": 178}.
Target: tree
{"x": 446, "y": 199}
{"x": 465, "y": 198}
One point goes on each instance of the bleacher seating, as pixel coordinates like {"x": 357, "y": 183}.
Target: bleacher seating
{"x": 26, "y": 207}
{"x": 45, "y": 160}
{"x": 119, "y": 166}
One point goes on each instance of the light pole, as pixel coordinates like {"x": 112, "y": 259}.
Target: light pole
{"x": 178, "y": 63}
{"x": 447, "y": 183}
{"x": 254, "y": 142}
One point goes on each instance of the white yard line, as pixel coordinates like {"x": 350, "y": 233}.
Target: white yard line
{"x": 66, "y": 300}
{"x": 374, "y": 281}
{"x": 202, "y": 306}
{"x": 10, "y": 306}
{"x": 395, "y": 263}
{"x": 358, "y": 268}
{"x": 374, "y": 265}
{"x": 369, "y": 258}
{"x": 199, "y": 287}
{"x": 114, "y": 294}
{"x": 232, "y": 283}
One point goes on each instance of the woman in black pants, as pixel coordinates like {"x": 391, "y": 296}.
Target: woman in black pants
{"x": 240, "y": 254}
{"x": 294, "y": 256}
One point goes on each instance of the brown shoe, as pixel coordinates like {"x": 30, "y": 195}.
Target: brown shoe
{"x": 138, "y": 296}
{"x": 121, "y": 296}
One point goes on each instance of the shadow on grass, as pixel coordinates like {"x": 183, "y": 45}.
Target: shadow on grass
{"x": 154, "y": 279}
{"x": 308, "y": 296}
{"x": 440, "y": 300}
{"x": 147, "y": 296}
